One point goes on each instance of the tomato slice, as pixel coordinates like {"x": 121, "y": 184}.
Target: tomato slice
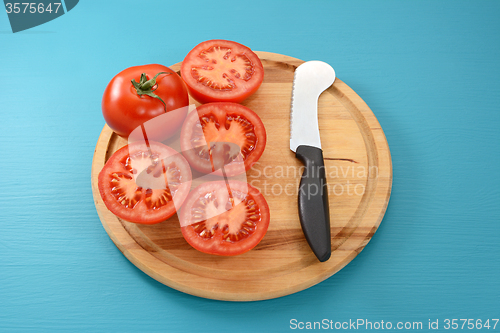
{"x": 228, "y": 134}
{"x": 224, "y": 218}
{"x": 145, "y": 182}
{"x": 222, "y": 71}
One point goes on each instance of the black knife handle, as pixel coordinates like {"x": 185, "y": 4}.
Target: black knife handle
{"x": 313, "y": 202}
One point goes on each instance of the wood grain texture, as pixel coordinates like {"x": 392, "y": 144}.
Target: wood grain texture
{"x": 359, "y": 172}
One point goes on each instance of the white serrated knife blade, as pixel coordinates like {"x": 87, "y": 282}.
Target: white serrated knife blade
{"x": 310, "y": 80}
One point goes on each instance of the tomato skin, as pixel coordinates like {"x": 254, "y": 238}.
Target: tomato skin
{"x": 141, "y": 213}
{"x": 241, "y": 89}
{"x": 217, "y": 245}
{"x": 124, "y": 110}
{"x": 221, "y": 110}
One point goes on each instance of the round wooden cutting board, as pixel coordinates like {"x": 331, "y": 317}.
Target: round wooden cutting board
{"x": 359, "y": 175}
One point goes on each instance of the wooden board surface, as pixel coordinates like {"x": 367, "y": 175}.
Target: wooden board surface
{"x": 359, "y": 175}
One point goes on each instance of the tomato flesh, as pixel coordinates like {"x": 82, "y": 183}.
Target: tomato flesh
{"x": 222, "y": 71}
{"x": 225, "y": 218}
{"x": 144, "y": 183}
{"x": 236, "y": 129}
{"x": 223, "y": 134}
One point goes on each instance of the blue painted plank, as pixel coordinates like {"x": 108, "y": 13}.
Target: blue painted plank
{"x": 429, "y": 71}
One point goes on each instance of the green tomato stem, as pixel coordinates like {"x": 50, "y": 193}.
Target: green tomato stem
{"x": 145, "y": 87}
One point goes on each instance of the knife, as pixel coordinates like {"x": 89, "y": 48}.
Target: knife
{"x": 310, "y": 80}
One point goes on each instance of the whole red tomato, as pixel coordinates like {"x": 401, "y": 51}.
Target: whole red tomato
{"x": 141, "y": 93}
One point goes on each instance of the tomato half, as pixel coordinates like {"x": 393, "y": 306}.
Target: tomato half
{"x": 126, "y": 107}
{"x": 224, "y": 219}
{"x": 222, "y": 71}
{"x": 145, "y": 182}
{"x": 228, "y": 134}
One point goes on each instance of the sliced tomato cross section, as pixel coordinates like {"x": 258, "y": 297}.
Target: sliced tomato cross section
{"x": 145, "y": 182}
{"x": 227, "y": 135}
{"x": 222, "y": 71}
{"x": 224, "y": 218}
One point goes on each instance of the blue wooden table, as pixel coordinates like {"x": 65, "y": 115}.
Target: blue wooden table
{"x": 429, "y": 71}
